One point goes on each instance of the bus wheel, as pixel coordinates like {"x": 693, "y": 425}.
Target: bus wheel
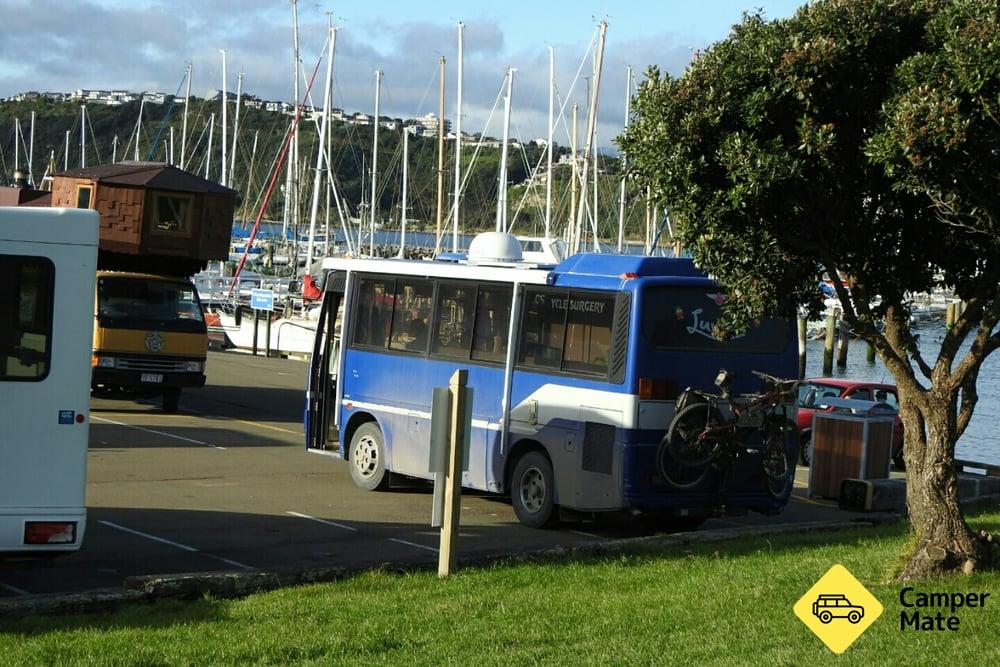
{"x": 532, "y": 491}
{"x": 367, "y": 458}
{"x": 171, "y": 400}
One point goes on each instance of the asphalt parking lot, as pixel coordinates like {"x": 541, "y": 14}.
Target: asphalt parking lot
{"x": 227, "y": 484}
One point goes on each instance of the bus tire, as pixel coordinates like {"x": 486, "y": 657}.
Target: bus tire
{"x": 532, "y": 491}
{"x": 171, "y": 400}
{"x": 366, "y": 458}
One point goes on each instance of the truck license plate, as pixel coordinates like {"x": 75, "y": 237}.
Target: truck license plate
{"x": 151, "y": 377}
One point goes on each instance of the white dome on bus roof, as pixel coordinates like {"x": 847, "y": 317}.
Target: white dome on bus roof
{"x": 495, "y": 247}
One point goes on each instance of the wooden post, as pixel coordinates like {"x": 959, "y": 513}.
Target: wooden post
{"x": 950, "y": 317}
{"x": 802, "y": 348}
{"x": 845, "y": 339}
{"x": 831, "y": 326}
{"x": 448, "y": 554}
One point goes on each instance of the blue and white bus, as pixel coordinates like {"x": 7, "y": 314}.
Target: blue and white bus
{"x": 575, "y": 370}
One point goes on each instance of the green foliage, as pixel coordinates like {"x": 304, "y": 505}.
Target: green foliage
{"x": 853, "y": 135}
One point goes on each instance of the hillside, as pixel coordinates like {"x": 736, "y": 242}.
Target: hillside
{"x": 111, "y": 132}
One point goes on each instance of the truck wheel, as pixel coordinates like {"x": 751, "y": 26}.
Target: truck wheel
{"x": 171, "y": 400}
{"x": 532, "y": 491}
{"x": 367, "y": 458}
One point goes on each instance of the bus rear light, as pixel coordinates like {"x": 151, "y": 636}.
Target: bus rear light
{"x": 50, "y": 532}
{"x": 657, "y": 389}
{"x": 629, "y": 275}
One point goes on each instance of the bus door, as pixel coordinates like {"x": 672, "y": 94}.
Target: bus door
{"x": 321, "y": 392}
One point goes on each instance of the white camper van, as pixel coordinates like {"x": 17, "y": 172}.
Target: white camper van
{"x": 48, "y": 261}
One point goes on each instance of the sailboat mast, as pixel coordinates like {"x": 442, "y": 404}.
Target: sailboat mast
{"x": 402, "y": 218}
{"x": 548, "y": 145}
{"x": 83, "y": 135}
{"x": 31, "y": 151}
{"x": 225, "y": 127}
{"x": 184, "y": 123}
{"x": 321, "y": 144}
{"x": 591, "y": 131}
{"x": 138, "y": 127}
{"x": 17, "y": 143}
{"x": 211, "y": 133}
{"x": 574, "y": 243}
{"x": 501, "y": 225}
{"x": 378, "y": 92}
{"x": 458, "y": 143}
{"x": 621, "y": 197}
{"x": 440, "y": 174}
{"x": 294, "y": 162}
{"x": 236, "y": 129}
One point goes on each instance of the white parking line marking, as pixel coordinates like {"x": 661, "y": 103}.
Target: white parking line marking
{"x": 13, "y": 589}
{"x": 324, "y": 521}
{"x": 149, "y": 430}
{"x": 413, "y": 544}
{"x": 175, "y": 544}
{"x": 580, "y": 532}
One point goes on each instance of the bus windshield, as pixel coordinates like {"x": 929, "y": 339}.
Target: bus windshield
{"x": 684, "y": 318}
{"x": 138, "y": 302}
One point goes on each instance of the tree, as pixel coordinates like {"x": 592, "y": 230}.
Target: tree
{"x": 860, "y": 139}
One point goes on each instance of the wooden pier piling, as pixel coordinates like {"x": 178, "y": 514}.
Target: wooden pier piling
{"x": 802, "y": 348}
{"x": 845, "y": 340}
{"x": 831, "y": 327}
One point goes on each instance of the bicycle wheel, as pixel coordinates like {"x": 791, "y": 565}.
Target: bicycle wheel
{"x": 677, "y": 474}
{"x": 688, "y": 439}
{"x": 778, "y": 473}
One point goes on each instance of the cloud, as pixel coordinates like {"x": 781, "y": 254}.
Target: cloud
{"x": 59, "y": 46}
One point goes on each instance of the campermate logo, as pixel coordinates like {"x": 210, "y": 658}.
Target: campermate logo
{"x": 838, "y": 609}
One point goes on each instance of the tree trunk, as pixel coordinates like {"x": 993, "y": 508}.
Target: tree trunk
{"x": 944, "y": 543}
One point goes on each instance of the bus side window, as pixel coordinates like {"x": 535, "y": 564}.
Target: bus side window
{"x": 489, "y": 341}
{"x": 411, "y": 317}
{"x": 453, "y": 322}
{"x": 542, "y": 326}
{"x": 374, "y": 312}
{"x": 588, "y": 333}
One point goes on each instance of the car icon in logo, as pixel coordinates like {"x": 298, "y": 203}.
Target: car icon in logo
{"x": 828, "y": 607}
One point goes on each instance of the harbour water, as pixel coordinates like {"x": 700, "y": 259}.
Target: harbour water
{"x": 981, "y": 440}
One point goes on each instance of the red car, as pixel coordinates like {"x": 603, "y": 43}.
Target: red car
{"x": 814, "y": 390}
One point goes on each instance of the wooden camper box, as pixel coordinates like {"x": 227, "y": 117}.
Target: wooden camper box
{"x": 153, "y": 217}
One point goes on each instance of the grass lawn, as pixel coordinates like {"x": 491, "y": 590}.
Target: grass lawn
{"x": 722, "y": 603}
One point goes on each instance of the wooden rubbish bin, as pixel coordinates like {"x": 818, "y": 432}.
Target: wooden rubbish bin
{"x": 854, "y": 441}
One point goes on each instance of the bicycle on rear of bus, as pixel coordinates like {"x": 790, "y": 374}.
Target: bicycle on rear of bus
{"x": 700, "y": 439}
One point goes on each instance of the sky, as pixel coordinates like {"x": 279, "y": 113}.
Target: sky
{"x": 140, "y": 45}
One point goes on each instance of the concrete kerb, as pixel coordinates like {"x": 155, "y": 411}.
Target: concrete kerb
{"x": 236, "y": 584}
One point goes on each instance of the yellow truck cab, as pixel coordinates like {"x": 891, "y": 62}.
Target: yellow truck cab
{"x": 150, "y": 336}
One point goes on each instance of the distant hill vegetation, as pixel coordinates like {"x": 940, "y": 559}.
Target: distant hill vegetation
{"x": 111, "y": 132}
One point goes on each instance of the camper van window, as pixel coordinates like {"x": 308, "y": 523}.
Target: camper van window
{"x": 26, "y": 294}
{"x": 83, "y": 196}
{"x": 171, "y": 214}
